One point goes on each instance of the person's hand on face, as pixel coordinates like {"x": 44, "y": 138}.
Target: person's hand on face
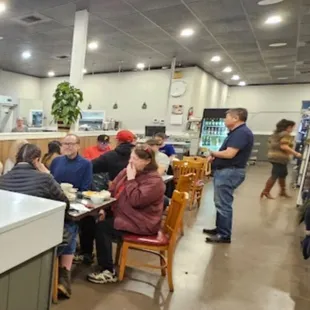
{"x": 298, "y": 155}
{"x": 39, "y": 166}
{"x": 131, "y": 172}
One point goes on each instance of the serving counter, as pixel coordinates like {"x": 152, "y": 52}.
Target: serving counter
{"x": 30, "y": 229}
{"x": 42, "y": 139}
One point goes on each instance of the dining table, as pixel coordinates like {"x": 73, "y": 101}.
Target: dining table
{"x": 167, "y": 178}
{"x": 93, "y": 208}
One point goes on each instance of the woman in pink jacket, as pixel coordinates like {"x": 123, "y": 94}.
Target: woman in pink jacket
{"x": 139, "y": 191}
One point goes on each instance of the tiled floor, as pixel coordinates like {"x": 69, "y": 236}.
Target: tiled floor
{"x": 261, "y": 270}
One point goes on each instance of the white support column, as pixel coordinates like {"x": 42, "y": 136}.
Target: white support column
{"x": 172, "y": 71}
{"x": 78, "y": 53}
{"x": 79, "y": 48}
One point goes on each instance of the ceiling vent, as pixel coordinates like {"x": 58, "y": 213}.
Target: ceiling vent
{"x": 32, "y": 19}
{"x": 62, "y": 57}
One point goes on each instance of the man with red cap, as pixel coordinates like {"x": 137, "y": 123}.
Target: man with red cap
{"x": 111, "y": 162}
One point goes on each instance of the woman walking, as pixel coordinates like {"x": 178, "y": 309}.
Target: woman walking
{"x": 279, "y": 151}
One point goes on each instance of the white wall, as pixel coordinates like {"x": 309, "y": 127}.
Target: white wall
{"x": 269, "y": 104}
{"x": 25, "y": 91}
{"x": 132, "y": 89}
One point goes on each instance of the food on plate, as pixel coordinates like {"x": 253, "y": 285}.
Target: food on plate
{"x": 104, "y": 195}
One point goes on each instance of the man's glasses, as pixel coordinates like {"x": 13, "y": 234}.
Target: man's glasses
{"x": 68, "y": 144}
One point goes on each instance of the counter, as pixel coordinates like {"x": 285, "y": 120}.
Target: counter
{"x": 88, "y": 138}
{"x": 30, "y": 229}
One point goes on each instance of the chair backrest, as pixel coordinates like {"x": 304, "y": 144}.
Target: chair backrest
{"x": 186, "y": 182}
{"x": 207, "y": 164}
{"x": 178, "y": 167}
{"x": 175, "y": 214}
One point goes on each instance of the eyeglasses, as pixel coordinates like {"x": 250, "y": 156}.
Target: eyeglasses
{"x": 69, "y": 144}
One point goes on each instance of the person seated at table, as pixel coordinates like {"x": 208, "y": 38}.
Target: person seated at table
{"x": 10, "y": 162}
{"x": 139, "y": 191}
{"x": 162, "y": 159}
{"x": 112, "y": 163}
{"x": 29, "y": 176}
{"x": 102, "y": 146}
{"x": 165, "y": 148}
{"x": 116, "y": 160}
{"x": 54, "y": 150}
{"x": 76, "y": 170}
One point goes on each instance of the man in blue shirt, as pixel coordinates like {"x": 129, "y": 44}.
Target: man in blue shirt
{"x": 76, "y": 170}
{"x": 229, "y": 165}
{"x": 167, "y": 149}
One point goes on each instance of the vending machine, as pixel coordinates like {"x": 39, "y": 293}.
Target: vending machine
{"x": 213, "y": 131}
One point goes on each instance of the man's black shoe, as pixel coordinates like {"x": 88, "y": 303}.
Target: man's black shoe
{"x": 211, "y": 232}
{"x": 217, "y": 239}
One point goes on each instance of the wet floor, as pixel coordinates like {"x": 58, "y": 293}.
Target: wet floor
{"x": 261, "y": 270}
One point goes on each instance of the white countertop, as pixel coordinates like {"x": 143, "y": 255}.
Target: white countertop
{"x": 29, "y": 226}
{"x": 18, "y": 209}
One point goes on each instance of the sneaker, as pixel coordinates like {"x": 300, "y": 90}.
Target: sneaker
{"x": 64, "y": 282}
{"x": 102, "y": 277}
{"x": 83, "y": 259}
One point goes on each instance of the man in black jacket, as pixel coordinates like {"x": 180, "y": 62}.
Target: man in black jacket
{"x": 112, "y": 162}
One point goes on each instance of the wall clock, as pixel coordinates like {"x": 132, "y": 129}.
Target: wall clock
{"x": 178, "y": 88}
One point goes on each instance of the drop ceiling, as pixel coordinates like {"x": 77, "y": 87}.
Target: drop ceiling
{"x": 132, "y": 31}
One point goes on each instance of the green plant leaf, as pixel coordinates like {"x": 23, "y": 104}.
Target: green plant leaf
{"x": 66, "y": 102}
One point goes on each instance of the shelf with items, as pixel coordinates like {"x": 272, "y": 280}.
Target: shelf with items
{"x": 303, "y": 177}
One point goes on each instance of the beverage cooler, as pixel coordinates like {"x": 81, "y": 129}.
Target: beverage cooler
{"x": 213, "y": 131}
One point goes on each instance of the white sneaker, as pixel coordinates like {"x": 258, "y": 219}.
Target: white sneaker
{"x": 102, "y": 277}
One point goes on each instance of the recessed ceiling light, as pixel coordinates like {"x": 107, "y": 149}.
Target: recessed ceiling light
{"x": 51, "y": 73}
{"x": 84, "y": 71}
{"x": 283, "y": 78}
{"x": 280, "y": 44}
{"x": 227, "y": 69}
{"x": 141, "y": 65}
{"x": 1, "y": 38}
{"x": 275, "y": 19}
{"x": 235, "y": 77}
{"x": 2, "y": 7}
{"x": 26, "y": 55}
{"x": 280, "y": 66}
{"x": 269, "y": 2}
{"x": 216, "y": 59}
{"x": 242, "y": 83}
{"x": 187, "y": 32}
{"x": 93, "y": 45}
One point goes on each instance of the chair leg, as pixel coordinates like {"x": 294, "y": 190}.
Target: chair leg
{"x": 163, "y": 263}
{"x": 123, "y": 261}
{"x": 169, "y": 269}
{"x": 118, "y": 253}
{"x": 55, "y": 281}
{"x": 182, "y": 228}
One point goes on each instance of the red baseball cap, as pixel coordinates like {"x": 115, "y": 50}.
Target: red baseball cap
{"x": 125, "y": 136}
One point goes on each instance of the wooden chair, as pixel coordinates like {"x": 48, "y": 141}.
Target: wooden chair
{"x": 162, "y": 245}
{"x": 185, "y": 184}
{"x": 55, "y": 280}
{"x": 207, "y": 164}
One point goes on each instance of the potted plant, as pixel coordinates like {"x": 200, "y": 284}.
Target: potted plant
{"x": 65, "y": 108}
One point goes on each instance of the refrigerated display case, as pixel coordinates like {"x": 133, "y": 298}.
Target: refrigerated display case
{"x": 213, "y": 131}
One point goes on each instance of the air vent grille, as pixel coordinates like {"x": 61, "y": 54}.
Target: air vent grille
{"x": 32, "y": 19}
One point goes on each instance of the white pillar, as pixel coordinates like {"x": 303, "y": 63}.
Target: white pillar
{"x": 78, "y": 53}
{"x": 79, "y": 48}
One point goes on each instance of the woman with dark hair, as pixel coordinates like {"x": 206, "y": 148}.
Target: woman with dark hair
{"x": 139, "y": 191}
{"x": 54, "y": 150}
{"x": 29, "y": 176}
{"x": 279, "y": 151}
